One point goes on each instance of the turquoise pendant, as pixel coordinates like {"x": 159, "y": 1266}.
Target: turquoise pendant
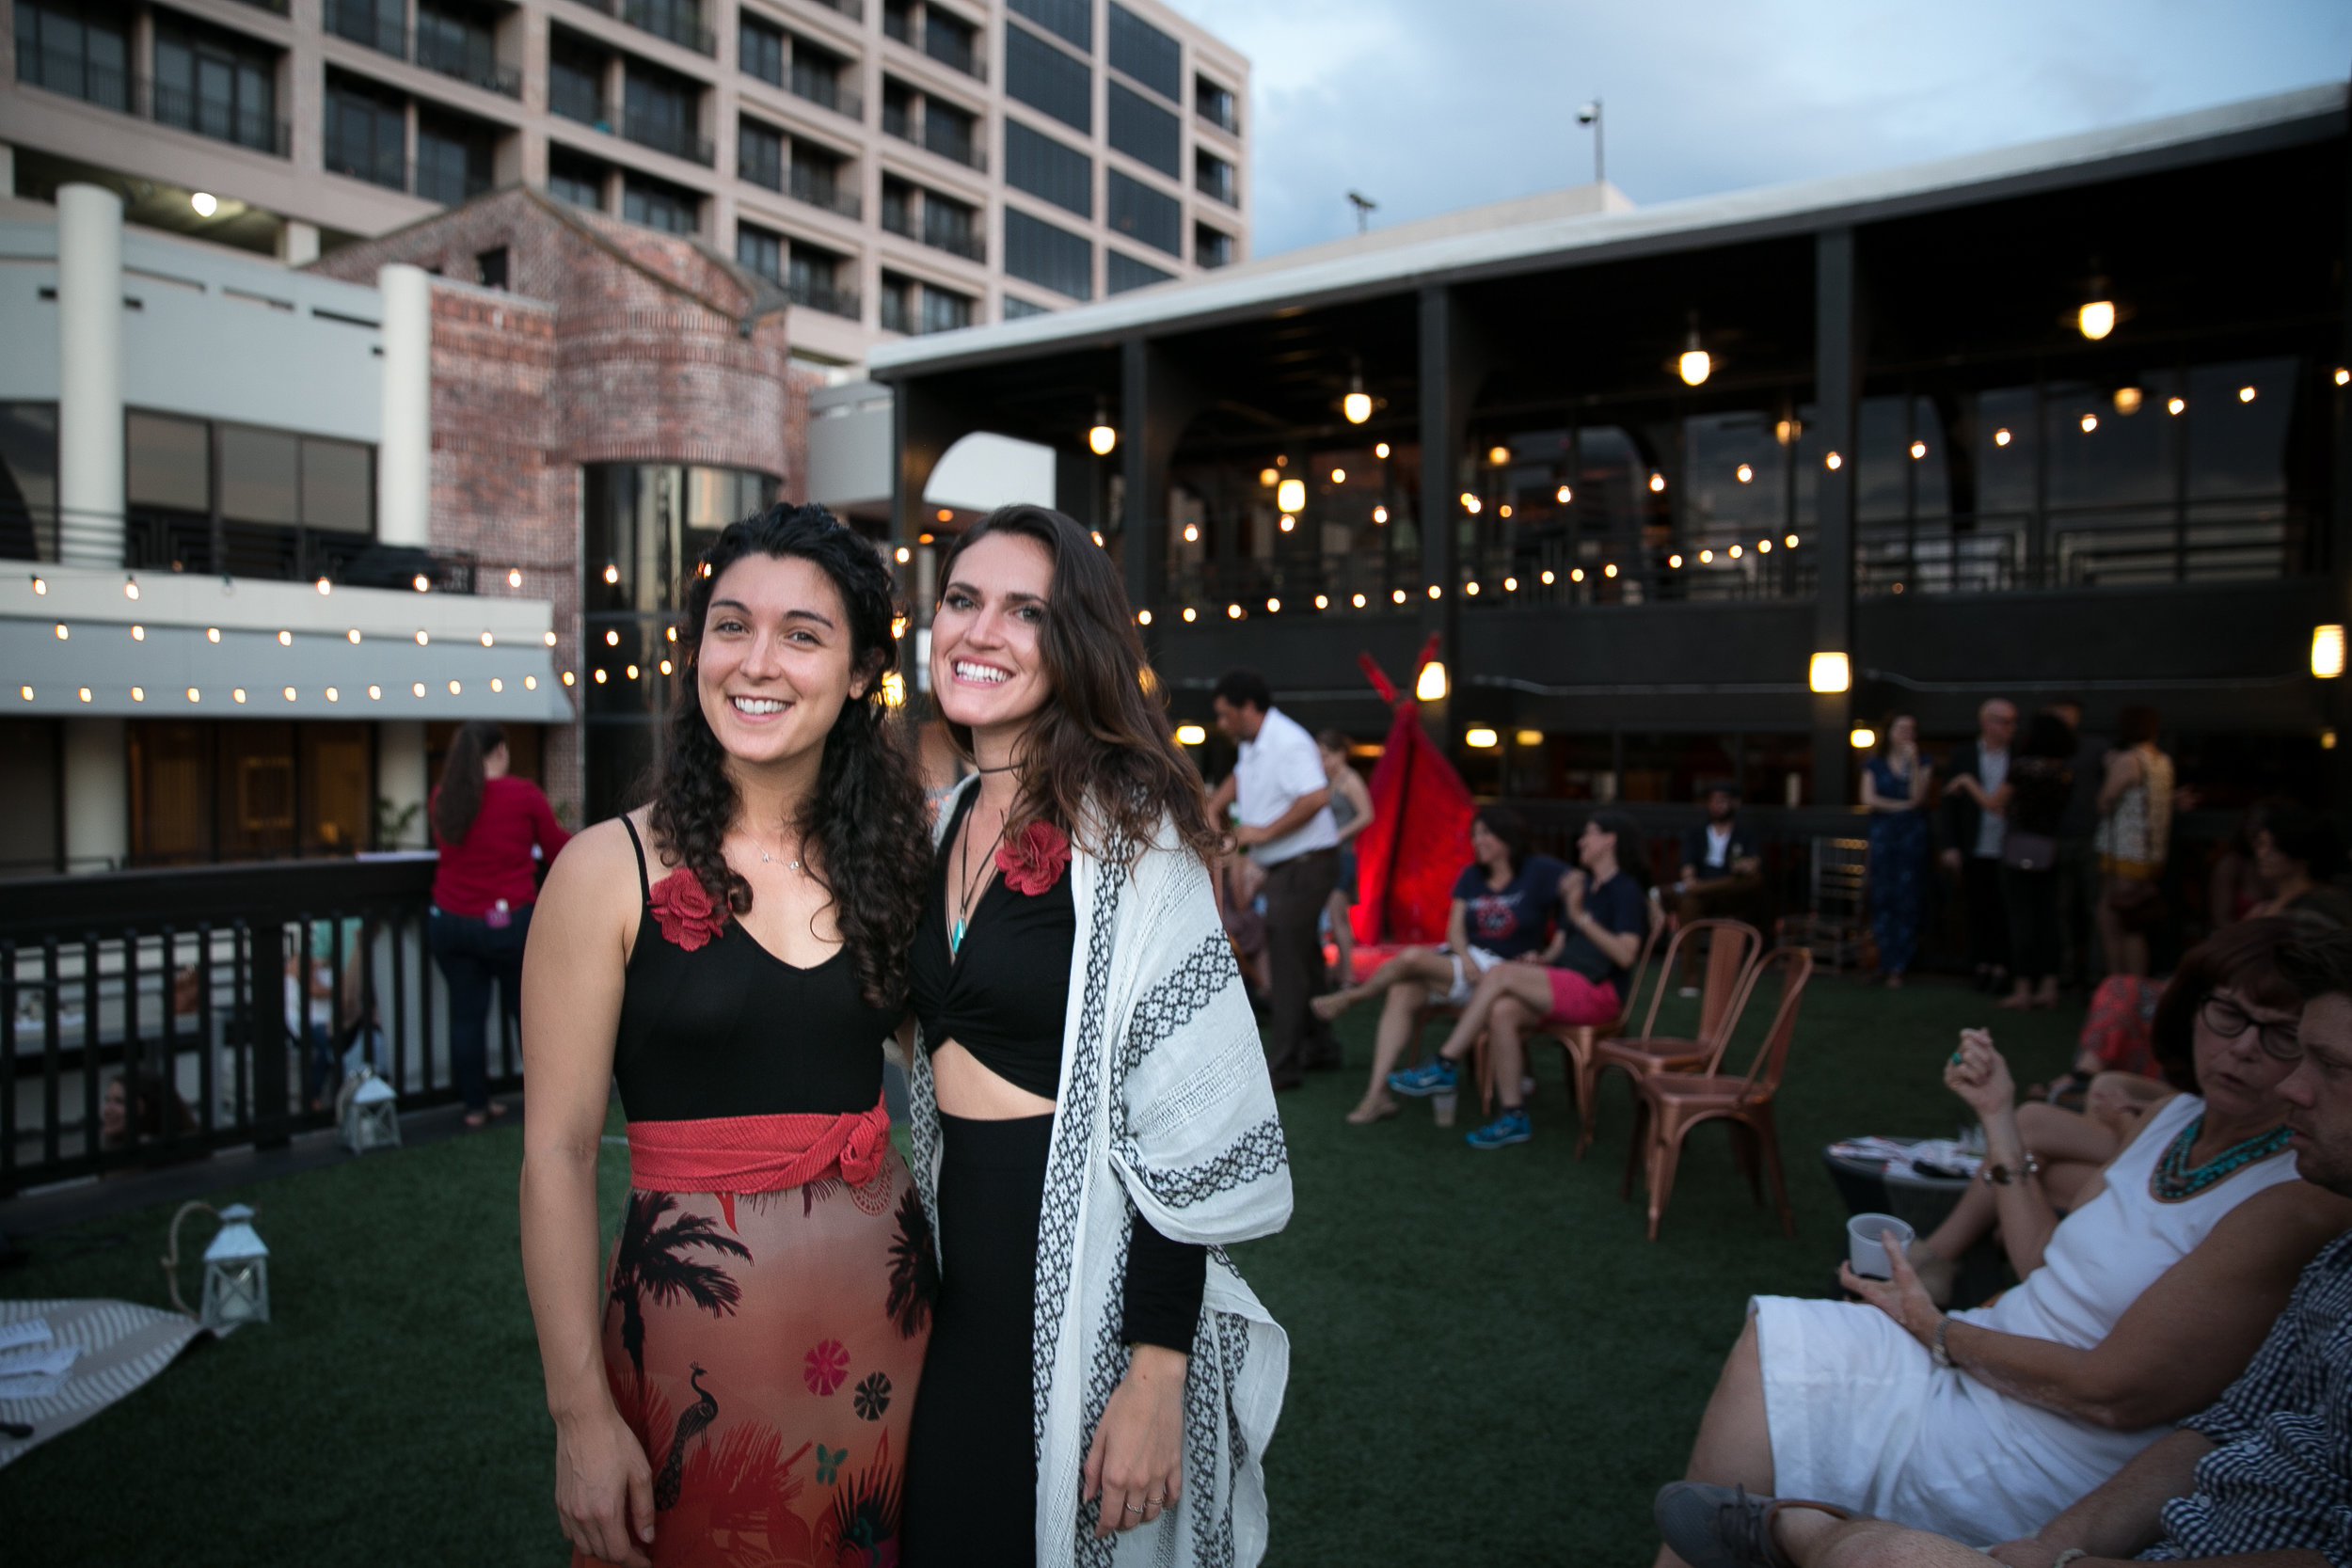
{"x": 955, "y": 938}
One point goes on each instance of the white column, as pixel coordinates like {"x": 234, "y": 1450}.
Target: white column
{"x": 400, "y": 778}
{"x": 90, "y": 375}
{"x": 7, "y": 169}
{"x": 97, "y": 796}
{"x": 404, "y": 460}
{"x": 298, "y": 243}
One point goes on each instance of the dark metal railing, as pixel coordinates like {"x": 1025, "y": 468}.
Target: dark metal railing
{"x": 832, "y": 298}
{"x": 157, "y": 540}
{"x": 227, "y": 998}
{"x": 443, "y": 47}
{"x": 2182, "y": 541}
{"x": 953, "y": 49}
{"x": 678, "y": 21}
{"x": 822, "y": 188}
{"x": 665, "y": 135}
{"x": 242, "y": 124}
{"x": 823, "y": 86}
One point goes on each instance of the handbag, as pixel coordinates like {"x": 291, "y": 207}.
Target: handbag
{"x": 2024, "y": 852}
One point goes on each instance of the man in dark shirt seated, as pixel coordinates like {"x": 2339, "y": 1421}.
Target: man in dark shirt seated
{"x": 2261, "y": 1480}
{"x": 1722, "y": 869}
{"x": 1605, "y": 915}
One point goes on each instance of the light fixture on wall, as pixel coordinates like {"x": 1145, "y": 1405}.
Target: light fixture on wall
{"x": 2328, "y": 652}
{"x": 1830, "y": 672}
{"x": 1356, "y": 407}
{"x": 1103, "y": 436}
{"x": 1429, "y": 686}
{"x": 205, "y": 204}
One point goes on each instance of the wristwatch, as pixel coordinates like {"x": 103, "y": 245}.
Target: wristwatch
{"x": 1942, "y": 1356}
{"x": 2003, "y": 1176}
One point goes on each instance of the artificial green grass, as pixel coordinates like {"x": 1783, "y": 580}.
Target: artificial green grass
{"x": 1488, "y": 1362}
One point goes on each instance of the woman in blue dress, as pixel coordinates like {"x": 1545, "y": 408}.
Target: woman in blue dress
{"x": 1895, "y": 792}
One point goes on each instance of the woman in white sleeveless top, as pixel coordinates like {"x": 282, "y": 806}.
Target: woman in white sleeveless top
{"x": 2151, "y": 1297}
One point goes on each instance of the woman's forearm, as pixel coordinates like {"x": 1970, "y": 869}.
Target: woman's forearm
{"x": 561, "y": 1276}
{"x": 2027, "y": 1216}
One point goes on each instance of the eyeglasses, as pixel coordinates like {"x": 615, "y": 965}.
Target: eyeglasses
{"x": 2228, "y": 1019}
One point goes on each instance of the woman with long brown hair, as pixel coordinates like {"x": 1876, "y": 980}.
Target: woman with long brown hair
{"x": 487, "y": 823}
{"x": 1092, "y": 1111}
{"x": 732, "y": 956}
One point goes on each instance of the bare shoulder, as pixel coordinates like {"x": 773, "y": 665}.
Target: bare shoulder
{"x": 599, "y": 863}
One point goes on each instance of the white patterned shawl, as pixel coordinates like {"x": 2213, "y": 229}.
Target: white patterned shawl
{"x": 1165, "y": 1107}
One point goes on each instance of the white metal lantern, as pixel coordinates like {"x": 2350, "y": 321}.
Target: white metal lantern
{"x": 370, "y": 1114}
{"x": 236, "y": 1274}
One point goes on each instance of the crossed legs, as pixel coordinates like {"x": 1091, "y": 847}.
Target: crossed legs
{"x": 1509, "y": 1000}
{"x": 1409, "y": 979}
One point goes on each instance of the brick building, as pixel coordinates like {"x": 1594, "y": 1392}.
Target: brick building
{"x": 607, "y": 395}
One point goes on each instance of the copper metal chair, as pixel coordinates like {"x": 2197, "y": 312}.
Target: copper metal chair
{"x": 1732, "y": 969}
{"x": 1672, "y": 1104}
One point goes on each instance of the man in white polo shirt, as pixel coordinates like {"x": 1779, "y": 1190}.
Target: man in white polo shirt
{"x": 1286, "y": 825}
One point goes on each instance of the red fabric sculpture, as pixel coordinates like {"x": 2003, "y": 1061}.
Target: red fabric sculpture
{"x": 1419, "y": 841}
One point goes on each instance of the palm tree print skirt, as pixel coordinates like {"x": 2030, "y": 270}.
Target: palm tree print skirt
{"x": 765, "y": 1348}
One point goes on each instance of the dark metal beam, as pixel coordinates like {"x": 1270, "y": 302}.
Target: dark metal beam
{"x": 1454, "y": 360}
{"x": 1836, "y": 359}
{"x": 1157, "y": 399}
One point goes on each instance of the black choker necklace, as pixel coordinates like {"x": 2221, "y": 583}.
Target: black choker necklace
{"x": 1005, "y": 768}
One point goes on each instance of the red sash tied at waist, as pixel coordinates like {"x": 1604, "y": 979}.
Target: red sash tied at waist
{"x": 756, "y": 1154}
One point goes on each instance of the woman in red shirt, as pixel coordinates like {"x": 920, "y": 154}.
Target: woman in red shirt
{"x": 486, "y": 823}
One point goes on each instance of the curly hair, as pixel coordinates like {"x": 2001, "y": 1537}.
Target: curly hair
{"x": 866, "y": 817}
{"x": 2245, "y": 958}
{"x": 1100, "y": 758}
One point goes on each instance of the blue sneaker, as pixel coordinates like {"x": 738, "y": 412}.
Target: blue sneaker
{"x": 1434, "y": 1076}
{"x": 1509, "y": 1128}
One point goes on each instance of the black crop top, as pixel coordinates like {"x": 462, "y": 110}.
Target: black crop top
{"x": 731, "y": 1030}
{"x": 1003, "y": 996}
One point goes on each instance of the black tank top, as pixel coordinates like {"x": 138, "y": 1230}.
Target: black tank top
{"x": 731, "y": 1030}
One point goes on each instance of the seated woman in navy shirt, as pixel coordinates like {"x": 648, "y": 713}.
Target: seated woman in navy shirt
{"x": 1506, "y": 904}
{"x": 1581, "y": 980}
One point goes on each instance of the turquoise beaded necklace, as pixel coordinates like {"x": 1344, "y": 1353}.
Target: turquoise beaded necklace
{"x": 2175, "y": 1180}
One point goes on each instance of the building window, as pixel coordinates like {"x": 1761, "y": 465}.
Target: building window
{"x": 1047, "y": 169}
{"x": 453, "y": 157}
{"x": 950, "y": 132}
{"x": 380, "y": 25}
{"x": 1144, "y": 131}
{"x": 813, "y": 278}
{"x": 897, "y": 303}
{"x": 217, "y": 85}
{"x": 1146, "y": 54}
{"x": 897, "y": 207}
{"x": 759, "y": 250}
{"x": 1016, "y": 308}
{"x": 759, "y": 154}
{"x": 83, "y": 52}
{"x": 1072, "y": 19}
{"x": 167, "y": 462}
{"x": 462, "y": 43}
{"x": 1044, "y": 78}
{"x": 1150, "y": 215}
{"x": 944, "y": 311}
{"x": 816, "y": 76}
{"x": 680, "y": 21}
{"x": 899, "y": 20}
{"x": 246, "y": 791}
{"x": 1124, "y": 273}
{"x": 367, "y": 133}
{"x": 1039, "y": 252}
{"x": 490, "y": 268}
{"x": 948, "y": 225}
{"x": 28, "y": 480}
{"x": 898, "y": 109}
{"x": 1211, "y": 247}
{"x": 760, "y": 48}
{"x": 660, "y": 112}
{"x": 576, "y": 82}
{"x": 1215, "y": 104}
{"x": 656, "y": 204}
{"x": 575, "y": 178}
{"x": 816, "y": 180}
{"x": 951, "y": 40}
{"x": 1212, "y": 175}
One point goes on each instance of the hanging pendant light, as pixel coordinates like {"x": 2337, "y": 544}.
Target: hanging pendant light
{"x": 1696, "y": 364}
{"x": 1103, "y": 436}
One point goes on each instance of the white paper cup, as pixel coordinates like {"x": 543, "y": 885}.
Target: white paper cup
{"x": 1868, "y": 1238}
{"x": 1441, "y": 1105}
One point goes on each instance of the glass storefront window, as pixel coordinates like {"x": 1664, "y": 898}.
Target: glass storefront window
{"x": 338, "y": 485}
{"x": 171, "y": 461}
{"x": 260, "y": 475}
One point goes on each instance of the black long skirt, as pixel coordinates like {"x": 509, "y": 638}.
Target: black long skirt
{"x": 971, "y": 1477}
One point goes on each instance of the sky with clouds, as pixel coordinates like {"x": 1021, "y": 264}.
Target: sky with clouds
{"x": 1428, "y": 105}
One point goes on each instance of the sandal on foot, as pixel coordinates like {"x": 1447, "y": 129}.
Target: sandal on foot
{"x": 1363, "y": 1116}
{"x": 1724, "y": 1526}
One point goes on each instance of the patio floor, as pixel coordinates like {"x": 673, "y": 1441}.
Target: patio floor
{"x": 1489, "y": 1362}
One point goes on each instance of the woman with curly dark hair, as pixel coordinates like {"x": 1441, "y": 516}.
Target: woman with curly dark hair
{"x": 732, "y": 954}
{"x": 1093, "y": 1115}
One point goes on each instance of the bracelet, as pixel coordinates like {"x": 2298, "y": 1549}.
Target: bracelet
{"x": 2003, "y": 1176}
{"x": 1938, "y": 1352}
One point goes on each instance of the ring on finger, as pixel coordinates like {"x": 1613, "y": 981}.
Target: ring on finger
{"x": 1134, "y": 1508}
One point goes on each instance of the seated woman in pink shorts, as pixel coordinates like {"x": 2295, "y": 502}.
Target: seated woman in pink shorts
{"x": 1607, "y": 913}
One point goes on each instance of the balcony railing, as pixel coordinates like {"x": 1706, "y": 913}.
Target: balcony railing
{"x": 154, "y": 540}
{"x": 1223, "y": 116}
{"x": 2209, "y": 540}
{"x": 362, "y": 22}
{"x": 665, "y": 135}
{"x": 158, "y": 101}
{"x": 957, "y": 241}
{"x": 823, "y": 87}
{"x": 468, "y": 60}
{"x": 391, "y": 169}
{"x": 832, "y": 298}
{"x": 895, "y": 311}
{"x": 664, "y": 19}
{"x": 823, "y": 191}
{"x": 468, "y": 63}
{"x": 934, "y": 134}
{"x": 853, "y": 10}
{"x": 954, "y": 51}
{"x": 176, "y": 981}
{"x": 1216, "y": 182}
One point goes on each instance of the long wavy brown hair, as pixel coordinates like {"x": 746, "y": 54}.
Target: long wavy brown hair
{"x": 866, "y": 817}
{"x": 1098, "y": 760}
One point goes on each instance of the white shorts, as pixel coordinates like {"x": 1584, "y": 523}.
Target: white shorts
{"x": 1466, "y": 975}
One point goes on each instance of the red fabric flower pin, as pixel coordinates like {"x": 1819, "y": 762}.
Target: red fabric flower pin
{"x": 1032, "y": 861}
{"x": 682, "y": 906}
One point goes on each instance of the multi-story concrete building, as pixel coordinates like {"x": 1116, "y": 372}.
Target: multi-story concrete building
{"x": 898, "y": 166}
